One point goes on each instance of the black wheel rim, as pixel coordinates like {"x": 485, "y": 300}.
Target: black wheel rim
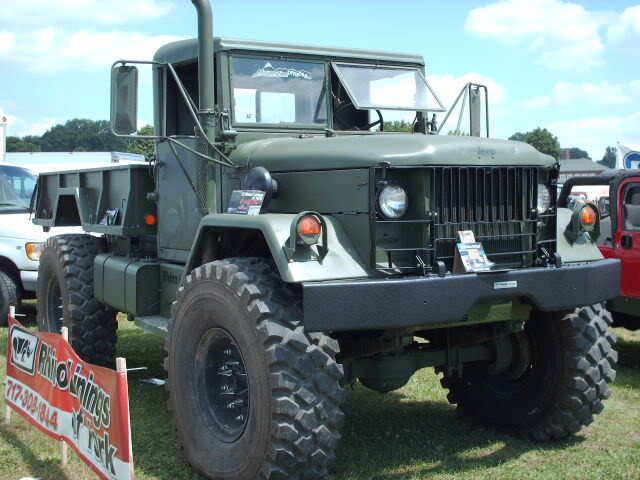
{"x": 55, "y": 311}
{"x": 222, "y": 386}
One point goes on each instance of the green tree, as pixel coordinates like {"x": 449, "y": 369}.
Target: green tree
{"x": 609, "y": 158}
{"x": 458, "y": 133}
{"x": 16, "y": 144}
{"x": 144, "y": 146}
{"x": 578, "y": 153}
{"x": 81, "y": 134}
{"x": 541, "y": 139}
{"x": 518, "y": 136}
{"x": 398, "y": 126}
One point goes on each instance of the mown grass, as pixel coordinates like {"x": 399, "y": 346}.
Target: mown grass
{"x": 406, "y": 435}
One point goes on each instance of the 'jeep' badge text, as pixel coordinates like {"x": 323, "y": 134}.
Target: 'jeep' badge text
{"x": 24, "y": 347}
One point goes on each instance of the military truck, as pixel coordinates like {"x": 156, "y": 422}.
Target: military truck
{"x": 286, "y": 246}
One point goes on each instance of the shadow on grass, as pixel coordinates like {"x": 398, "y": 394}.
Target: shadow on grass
{"x": 628, "y": 347}
{"x": 386, "y": 436}
{"x": 37, "y": 466}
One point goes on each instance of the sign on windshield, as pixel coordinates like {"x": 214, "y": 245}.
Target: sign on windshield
{"x": 268, "y": 91}
{"x": 387, "y": 88}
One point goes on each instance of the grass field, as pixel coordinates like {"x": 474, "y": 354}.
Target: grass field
{"x": 409, "y": 434}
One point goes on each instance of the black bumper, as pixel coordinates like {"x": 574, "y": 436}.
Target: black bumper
{"x": 416, "y": 301}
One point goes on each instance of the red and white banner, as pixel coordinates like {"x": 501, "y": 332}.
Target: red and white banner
{"x": 84, "y": 405}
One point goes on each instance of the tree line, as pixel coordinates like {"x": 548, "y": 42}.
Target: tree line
{"x": 82, "y": 135}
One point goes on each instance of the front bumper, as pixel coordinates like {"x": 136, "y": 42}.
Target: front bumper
{"x": 421, "y": 301}
{"x": 29, "y": 279}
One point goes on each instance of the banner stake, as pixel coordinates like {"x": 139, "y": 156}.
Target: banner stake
{"x": 7, "y": 412}
{"x": 64, "y": 453}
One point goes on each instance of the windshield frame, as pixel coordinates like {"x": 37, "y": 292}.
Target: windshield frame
{"x": 280, "y": 126}
{"x": 336, "y": 64}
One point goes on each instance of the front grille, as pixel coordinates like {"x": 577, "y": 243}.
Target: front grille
{"x": 496, "y": 203}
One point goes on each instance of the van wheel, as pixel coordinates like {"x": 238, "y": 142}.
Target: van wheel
{"x": 570, "y": 363}
{"x": 65, "y": 298}
{"x": 253, "y": 395}
{"x": 9, "y": 296}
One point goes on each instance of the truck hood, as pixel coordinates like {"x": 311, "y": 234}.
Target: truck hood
{"x": 362, "y": 151}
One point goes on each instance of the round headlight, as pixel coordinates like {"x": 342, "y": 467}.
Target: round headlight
{"x": 544, "y": 198}
{"x": 393, "y": 201}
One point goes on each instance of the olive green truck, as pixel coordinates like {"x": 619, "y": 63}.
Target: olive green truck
{"x": 337, "y": 262}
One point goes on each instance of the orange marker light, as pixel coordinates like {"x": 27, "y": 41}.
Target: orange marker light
{"x": 588, "y": 216}
{"x": 309, "y": 225}
{"x": 150, "y": 219}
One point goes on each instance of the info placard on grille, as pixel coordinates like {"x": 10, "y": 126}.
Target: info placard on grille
{"x": 470, "y": 255}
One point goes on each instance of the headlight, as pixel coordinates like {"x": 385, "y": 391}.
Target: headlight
{"x": 393, "y": 201}
{"x": 544, "y": 198}
{"x": 34, "y": 250}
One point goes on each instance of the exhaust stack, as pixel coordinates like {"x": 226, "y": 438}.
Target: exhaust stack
{"x": 206, "y": 79}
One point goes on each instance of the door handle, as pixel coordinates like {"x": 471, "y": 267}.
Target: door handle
{"x": 626, "y": 241}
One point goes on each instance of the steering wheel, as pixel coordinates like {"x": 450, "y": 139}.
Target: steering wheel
{"x": 345, "y": 125}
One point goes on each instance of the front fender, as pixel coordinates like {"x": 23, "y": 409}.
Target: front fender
{"x": 340, "y": 262}
{"x": 573, "y": 253}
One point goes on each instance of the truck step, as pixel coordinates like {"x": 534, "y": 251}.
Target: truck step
{"x": 155, "y": 324}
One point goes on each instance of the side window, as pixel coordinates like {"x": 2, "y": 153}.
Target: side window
{"x": 631, "y": 207}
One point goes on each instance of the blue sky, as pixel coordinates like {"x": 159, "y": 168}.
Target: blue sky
{"x": 571, "y": 67}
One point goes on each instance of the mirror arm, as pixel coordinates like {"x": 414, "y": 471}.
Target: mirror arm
{"x": 190, "y": 107}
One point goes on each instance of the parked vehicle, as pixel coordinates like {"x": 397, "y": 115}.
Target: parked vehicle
{"x": 21, "y": 241}
{"x": 619, "y": 236}
{"x": 291, "y": 247}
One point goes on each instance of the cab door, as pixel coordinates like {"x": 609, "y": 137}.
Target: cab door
{"x": 627, "y": 236}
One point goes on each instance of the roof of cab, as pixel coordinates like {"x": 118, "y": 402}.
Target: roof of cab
{"x": 186, "y": 50}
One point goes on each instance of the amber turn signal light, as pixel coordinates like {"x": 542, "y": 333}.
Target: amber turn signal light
{"x": 150, "y": 219}
{"x": 309, "y": 225}
{"x": 588, "y": 216}
{"x": 309, "y": 229}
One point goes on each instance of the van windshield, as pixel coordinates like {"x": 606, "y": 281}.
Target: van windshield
{"x": 278, "y": 92}
{"x": 16, "y": 187}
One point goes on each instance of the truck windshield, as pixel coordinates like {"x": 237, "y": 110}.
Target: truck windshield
{"x": 280, "y": 92}
{"x": 16, "y": 187}
{"x": 386, "y": 88}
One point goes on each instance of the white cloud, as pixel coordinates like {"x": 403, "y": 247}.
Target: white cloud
{"x": 52, "y": 50}
{"x": 562, "y": 35}
{"x": 6, "y": 40}
{"x": 537, "y": 102}
{"x": 625, "y": 31}
{"x": 24, "y": 14}
{"x": 603, "y": 93}
{"x": 594, "y": 134}
{"x": 448, "y": 87}
{"x": 9, "y": 119}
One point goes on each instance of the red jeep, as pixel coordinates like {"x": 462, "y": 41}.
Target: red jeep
{"x": 619, "y": 235}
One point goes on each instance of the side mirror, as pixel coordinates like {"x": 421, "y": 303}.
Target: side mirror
{"x": 124, "y": 100}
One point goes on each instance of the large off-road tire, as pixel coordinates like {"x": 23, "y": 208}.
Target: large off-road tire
{"x": 571, "y": 363}
{"x": 253, "y": 395}
{"x": 65, "y": 298}
{"x": 9, "y": 296}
